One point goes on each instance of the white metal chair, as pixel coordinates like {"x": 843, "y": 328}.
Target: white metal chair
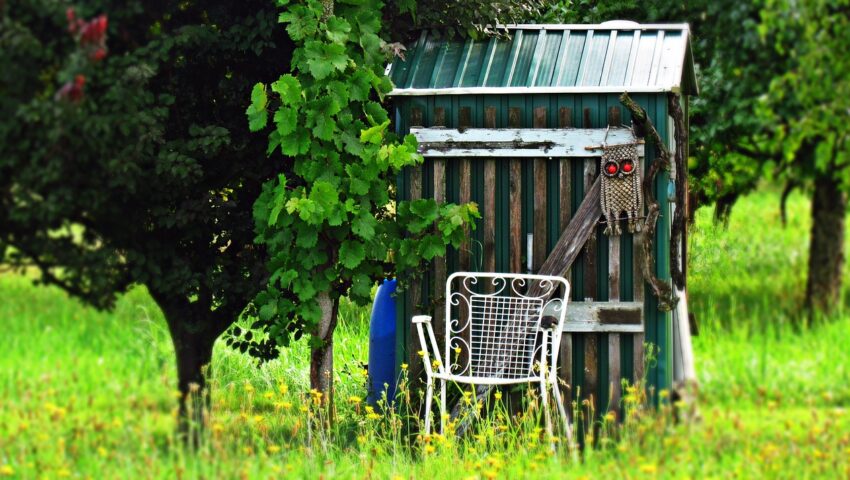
{"x": 496, "y": 335}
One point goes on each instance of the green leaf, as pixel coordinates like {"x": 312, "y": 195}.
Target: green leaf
{"x": 296, "y": 143}
{"x": 361, "y": 287}
{"x": 258, "y": 117}
{"x": 364, "y": 225}
{"x": 324, "y": 58}
{"x": 351, "y": 254}
{"x": 374, "y": 135}
{"x": 285, "y": 120}
{"x": 289, "y": 89}
{"x": 432, "y": 246}
{"x": 337, "y": 30}
{"x": 360, "y": 85}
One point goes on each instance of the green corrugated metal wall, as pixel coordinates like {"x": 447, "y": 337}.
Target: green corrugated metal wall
{"x": 657, "y": 324}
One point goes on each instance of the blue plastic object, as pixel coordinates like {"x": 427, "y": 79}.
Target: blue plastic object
{"x": 382, "y": 344}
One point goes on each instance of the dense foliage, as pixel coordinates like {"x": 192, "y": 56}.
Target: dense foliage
{"x": 330, "y": 225}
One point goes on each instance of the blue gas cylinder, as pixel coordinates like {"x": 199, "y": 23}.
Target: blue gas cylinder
{"x": 382, "y": 344}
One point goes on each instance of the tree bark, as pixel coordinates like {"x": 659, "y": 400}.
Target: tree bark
{"x": 193, "y": 352}
{"x": 322, "y": 357}
{"x": 826, "y": 250}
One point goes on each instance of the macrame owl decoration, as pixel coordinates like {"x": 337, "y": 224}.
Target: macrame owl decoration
{"x": 621, "y": 189}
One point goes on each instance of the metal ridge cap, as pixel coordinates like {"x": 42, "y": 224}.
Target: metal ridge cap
{"x": 610, "y": 25}
{"x": 410, "y": 92}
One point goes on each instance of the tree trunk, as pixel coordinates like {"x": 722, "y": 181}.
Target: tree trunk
{"x": 826, "y": 250}
{"x": 193, "y": 351}
{"x": 322, "y": 357}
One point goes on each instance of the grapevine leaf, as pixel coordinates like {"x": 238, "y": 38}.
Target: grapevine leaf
{"x": 351, "y": 254}
{"x": 257, "y": 114}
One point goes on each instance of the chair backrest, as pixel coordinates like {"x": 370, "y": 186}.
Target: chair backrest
{"x": 493, "y": 328}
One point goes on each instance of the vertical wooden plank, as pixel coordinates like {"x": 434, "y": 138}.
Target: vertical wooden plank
{"x": 490, "y": 117}
{"x": 464, "y": 117}
{"x": 614, "y": 269}
{"x": 416, "y": 117}
{"x": 591, "y": 340}
{"x": 540, "y": 230}
{"x": 614, "y": 376}
{"x": 614, "y": 116}
{"x": 639, "y": 360}
{"x": 490, "y": 200}
{"x": 439, "y": 117}
{"x": 514, "y": 121}
{"x": 590, "y": 246}
{"x": 414, "y": 359}
{"x": 565, "y": 120}
{"x": 591, "y": 369}
{"x": 439, "y": 262}
{"x": 565, "y": 117}
{"x": 465, "y": 121}
{"x": 566, "y": 365}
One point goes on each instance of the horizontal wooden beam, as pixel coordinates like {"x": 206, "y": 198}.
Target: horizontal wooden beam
{"x": 519, "y": 142}
{"x": 624, "y": 317}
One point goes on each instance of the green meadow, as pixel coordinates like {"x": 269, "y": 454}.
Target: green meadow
{"x": 88, "y": 394}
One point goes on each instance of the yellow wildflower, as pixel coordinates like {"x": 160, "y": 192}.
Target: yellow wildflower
{"x": 429, "y": 449}
{"x": 7, "y": 470}
{"x": 421, "y": 353}
{"x": 498, "y": 395}
{"x": 354, "y": 399}
{"x": 648, "y": 468}
{"x": 258, "y": 419}
{"x": 248, "y": 388}
{"x": 282, "y": 388}
{"x": 361, "y": 439}
{"x": 272, "y": 449}
{"x": 269, "y": 395}
{"x": 373, "y": 416}
{"x": 404, "y": 366}
{"x": 102, "y": 452}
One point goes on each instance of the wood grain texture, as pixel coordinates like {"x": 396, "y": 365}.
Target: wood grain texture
{"x": 414, "y": 360}
{"x": 590, "y": 279}
{"x": 489, "y": 215}
{"x": 565, "y": 117}
{"x": 490, "y": 117}
{"x": 614, "y": 116}
{"x": 489, "y": 200}
{"x": 574, "y": 237}
{"x": 614, "y": 268}
{"x": 639, "y": 359}
{"x": 416, "y": 118}
{"x": 565, "y": 359}
{"x": 515, "y": 199}
{"x": 614, "y": 376}
{"x": 465, "y": 191}
{"x": 540, "y": 199}
{"x": 439, "y": 262}
{"x": 439, "y": 117}
{"x": 591, "y": 369}
{"x": 540, "y": 202}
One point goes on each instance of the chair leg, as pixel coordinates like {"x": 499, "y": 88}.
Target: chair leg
{"x": 442, "y": 407}
{"x": 429, "y": 394}
{"x": 544, "y": 397}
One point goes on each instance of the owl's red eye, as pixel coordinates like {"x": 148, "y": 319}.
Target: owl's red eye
{"x": 628, "y": 166}
{"x": 611, "y": 168}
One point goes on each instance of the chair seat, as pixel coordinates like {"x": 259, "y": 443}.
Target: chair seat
{"x": 485, "y": 380}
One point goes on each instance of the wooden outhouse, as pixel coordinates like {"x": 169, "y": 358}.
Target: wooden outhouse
{"x": 512, "y": 123}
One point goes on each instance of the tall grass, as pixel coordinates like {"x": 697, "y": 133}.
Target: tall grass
{"x": 87, "y": 394}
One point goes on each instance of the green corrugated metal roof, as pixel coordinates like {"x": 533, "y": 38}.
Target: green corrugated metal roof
{"x": 610, "y": 57}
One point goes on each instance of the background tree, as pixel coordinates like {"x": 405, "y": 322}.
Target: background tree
{"x": 137, "y": 167}
{"x": 808, "y": 107}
